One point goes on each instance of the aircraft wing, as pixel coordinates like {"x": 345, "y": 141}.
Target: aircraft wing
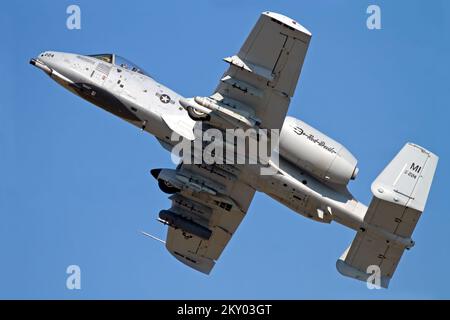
{"x": 262, "y": 77}
{"x": 213, "y": 218}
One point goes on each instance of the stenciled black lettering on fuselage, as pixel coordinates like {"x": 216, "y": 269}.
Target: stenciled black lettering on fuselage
{"x": 313, "y": 139}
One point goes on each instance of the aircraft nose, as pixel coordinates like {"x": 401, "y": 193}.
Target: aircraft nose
{"x": 50, "y": 58}
{"x": 56, "y": 64}
{"x": 45, "y": 61}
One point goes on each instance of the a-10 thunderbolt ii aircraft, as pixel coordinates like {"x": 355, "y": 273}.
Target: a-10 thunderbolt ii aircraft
{"x": 209, "y": 200}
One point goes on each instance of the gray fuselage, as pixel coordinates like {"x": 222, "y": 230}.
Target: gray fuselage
{"x": 139, "y": 99}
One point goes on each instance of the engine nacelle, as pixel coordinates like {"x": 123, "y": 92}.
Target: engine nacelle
{"x": 316, "y": 153}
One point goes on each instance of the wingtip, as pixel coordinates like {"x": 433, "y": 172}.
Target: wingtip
{"x": 287, "y": 21}
{"x": 433, "y": 155}
{"x": 351, "y": 272}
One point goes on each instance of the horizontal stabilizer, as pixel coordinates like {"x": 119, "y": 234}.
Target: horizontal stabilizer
{"x": 399, "y": 196}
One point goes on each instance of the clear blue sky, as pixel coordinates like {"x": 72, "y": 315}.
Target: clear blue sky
{"x": 75, "y": 186}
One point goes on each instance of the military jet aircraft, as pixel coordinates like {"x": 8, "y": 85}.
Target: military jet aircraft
{"x": 209, "y": 200}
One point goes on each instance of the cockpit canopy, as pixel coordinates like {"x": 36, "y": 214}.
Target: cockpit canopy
{"x": 119, "y": 61}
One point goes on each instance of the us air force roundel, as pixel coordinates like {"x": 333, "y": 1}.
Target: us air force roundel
{"x": 164, "y": 98}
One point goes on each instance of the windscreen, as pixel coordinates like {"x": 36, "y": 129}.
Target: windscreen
{"x": 104, "y": 57}
{"x": 124, "y": 63}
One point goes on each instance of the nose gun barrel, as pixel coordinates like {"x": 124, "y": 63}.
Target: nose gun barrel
{"x": 38, "y": 64}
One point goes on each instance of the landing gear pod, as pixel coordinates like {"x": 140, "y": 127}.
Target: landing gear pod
{"x": 195, "y": 111}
